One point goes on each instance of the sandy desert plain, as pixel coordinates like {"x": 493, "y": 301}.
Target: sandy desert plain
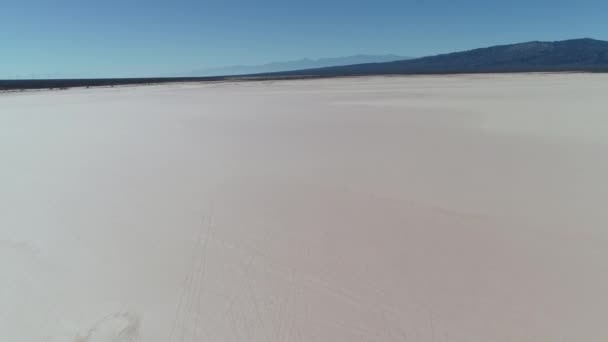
{"x": 468, "y": 208}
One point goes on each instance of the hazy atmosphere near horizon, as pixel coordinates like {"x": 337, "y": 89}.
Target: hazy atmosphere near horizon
{"x": 342, "y": 171}
{"x": 69, "y": 38}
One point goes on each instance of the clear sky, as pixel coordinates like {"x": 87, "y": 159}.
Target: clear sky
{"x": 116, "y": 38}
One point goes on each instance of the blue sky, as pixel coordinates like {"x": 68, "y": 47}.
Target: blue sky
{"x": 128, "y": 38}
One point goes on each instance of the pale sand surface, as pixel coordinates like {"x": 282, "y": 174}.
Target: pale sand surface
{"x": 414, "y": 209}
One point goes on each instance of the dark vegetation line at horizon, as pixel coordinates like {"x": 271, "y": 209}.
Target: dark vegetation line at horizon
{"x": 576, "y": 55}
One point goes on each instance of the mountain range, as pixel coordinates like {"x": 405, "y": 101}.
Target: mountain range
{"x": 583, "y": 55}
{"x": 568, "y": 55}
{"x": 305, "y": 63}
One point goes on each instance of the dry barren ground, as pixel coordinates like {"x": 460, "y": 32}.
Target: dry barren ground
{"x": 411, "y": 209}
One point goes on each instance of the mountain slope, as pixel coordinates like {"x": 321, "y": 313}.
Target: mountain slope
{"x": 568, "y": 55}
{"x": 305, "y": 63}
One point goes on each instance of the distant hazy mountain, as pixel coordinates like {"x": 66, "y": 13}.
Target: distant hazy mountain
{"x": 296, "y": 65}
{"x": 568, "y": 55}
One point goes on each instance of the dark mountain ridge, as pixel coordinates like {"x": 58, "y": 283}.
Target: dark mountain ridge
{"x": 568, "y": 55}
